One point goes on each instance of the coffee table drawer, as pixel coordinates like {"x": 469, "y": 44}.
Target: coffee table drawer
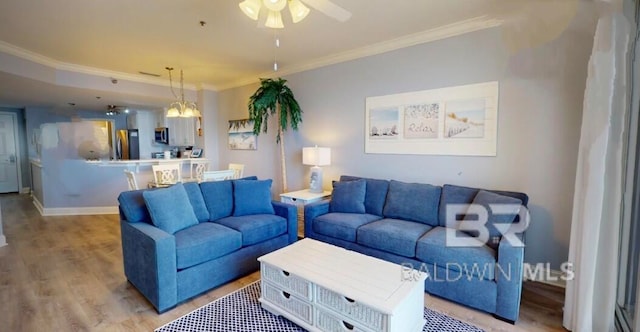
{"x": 360, "y": 313}
{"x": 286, "y": 280}
{"x": 326, "y": 321}
{"x": 284, "y": 300}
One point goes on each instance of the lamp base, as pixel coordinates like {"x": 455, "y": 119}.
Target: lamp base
{"x": 315, "y": 181}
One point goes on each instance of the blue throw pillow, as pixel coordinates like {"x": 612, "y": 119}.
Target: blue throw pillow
{"x": 252, "y": 197}
{"x": 376, "y": 193}
{"x": 348, "y": 196}
{"x": 485, "y": 198}
{"x": 413, "y": 201}
{"x": 197, "y": 201}
{"x": 170, "y": 209}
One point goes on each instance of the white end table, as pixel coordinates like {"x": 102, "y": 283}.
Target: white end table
{"x": 301, "y": 198}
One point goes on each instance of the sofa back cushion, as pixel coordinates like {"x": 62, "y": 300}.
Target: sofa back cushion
{"x": 348, "y": 196}
{"x": 252, "y": 197}
{"x": 413, "y": 201}
{"x": 486, "y": 198}
{"x": 452, "y": 194}
{"x": 170, "y": 208}
{"x": 197, "y": 201}
{"x": 133, "y": 207}
{"x": 218, "y": 197}
{"x": 375, "y": 196}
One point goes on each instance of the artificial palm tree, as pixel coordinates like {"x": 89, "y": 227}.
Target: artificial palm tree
{"x": 275, "y": 97}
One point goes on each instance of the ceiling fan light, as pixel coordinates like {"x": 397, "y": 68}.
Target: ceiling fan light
{"x": 274, "y": 20}
{"x": 250, "y": 8}
{"x": 275, "y": 5}
{"x": 298, "y": 10}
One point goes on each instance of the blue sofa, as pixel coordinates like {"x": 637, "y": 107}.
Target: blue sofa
{"x": 406, "y": 223}
{"x": 181, "y": 241}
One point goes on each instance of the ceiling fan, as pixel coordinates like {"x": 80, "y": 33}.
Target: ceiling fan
{"x": 297, "y": 8}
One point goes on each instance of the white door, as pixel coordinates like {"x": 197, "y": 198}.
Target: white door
{"x": 8, "y": 159}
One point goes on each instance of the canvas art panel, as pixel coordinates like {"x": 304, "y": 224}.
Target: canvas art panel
{"x": 241, "y": 136}
{"x": 459, "y": 120}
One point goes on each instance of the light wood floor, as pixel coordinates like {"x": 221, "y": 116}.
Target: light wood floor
{"x": 66, "y": 274}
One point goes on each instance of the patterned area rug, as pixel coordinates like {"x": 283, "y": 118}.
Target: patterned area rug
{"x": 240, "y": 311}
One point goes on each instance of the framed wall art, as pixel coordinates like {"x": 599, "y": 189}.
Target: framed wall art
{"x": 459, "y": 120}
{"x": 241, "y": 135}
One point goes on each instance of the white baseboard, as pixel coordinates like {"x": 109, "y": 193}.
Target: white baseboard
{"x": 74, "y": 211}
{"x": 38, "y": 205}
{"x": 3, "y": 241}
{"x": 25, "y": 190}
{"x": 548, "y": 276}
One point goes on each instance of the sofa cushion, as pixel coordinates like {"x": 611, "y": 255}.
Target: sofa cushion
{"x": 348, "y": 197}
{"x": 170, "y": 208}
{"x": 474, "y": 261}
{"x": 452, "y": 194}
{"x": 392, "y": 235}
{"x": 204, "y": 242}
{"x": 413, "y": 201}
{"x": 252, "y": 197}
{"x": 256, "y": 228}
{"x": 376, "y": 193}
{"x": 133, "y": 206}
{"x": 341, "y": 226}
{"x": 486, "y": 198}
{"x": 218, "y": 197}
{"x": 197, "y": 201}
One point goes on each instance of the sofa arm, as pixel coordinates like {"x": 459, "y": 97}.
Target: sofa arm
{"x": 312, "y": 211}
{"x": 149, "y": 256}
{"x": 289, "y": 212}
{"x": 509, "y": 279}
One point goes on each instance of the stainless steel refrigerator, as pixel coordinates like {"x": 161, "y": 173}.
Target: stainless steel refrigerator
{"x": 127, "y": 144}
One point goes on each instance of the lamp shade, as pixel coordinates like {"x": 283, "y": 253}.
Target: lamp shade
{"x": 298, "y": 10}
{"x": 316, "y": 156}
{"x": 251, "y": 8}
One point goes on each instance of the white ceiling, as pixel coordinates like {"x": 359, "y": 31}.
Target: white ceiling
{"x": 124, "y": 37}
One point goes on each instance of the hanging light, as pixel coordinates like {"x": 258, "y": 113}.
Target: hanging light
{"x": 298, "y": 10}
{"x": 251, "y": 8}
{"x": 274, "y": 20}
{"x": 180, "y": 107}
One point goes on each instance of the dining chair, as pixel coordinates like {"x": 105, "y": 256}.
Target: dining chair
{"x": 238, "y": 170}
{"x": 226, "y": 174}
{"x": 131, "y": 179}
{"x": 166, "y": 174}
{"x": 196, "y": 168}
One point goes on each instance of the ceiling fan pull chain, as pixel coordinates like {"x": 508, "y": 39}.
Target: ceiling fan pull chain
{"x": 275, "y": 53}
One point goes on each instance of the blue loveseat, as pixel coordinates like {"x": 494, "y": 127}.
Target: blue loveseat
{"x": 181, "y": 241}
{"x": 406, "y": 223}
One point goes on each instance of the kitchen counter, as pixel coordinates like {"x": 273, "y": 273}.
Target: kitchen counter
{"x": 138, "y": 162}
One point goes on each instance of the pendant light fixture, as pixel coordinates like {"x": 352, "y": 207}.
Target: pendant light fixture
{"x": 181, "y": 108}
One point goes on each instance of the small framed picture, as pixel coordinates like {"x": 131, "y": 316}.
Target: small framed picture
{"x": 196, "y": 153}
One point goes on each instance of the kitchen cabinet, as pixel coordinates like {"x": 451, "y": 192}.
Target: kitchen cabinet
{"x": 182, "y": 131}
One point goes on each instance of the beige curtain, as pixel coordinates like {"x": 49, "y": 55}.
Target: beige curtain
{"x": 593, "y": 251}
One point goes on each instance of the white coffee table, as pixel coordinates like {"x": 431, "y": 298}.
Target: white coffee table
{"x": 322, "y": 287}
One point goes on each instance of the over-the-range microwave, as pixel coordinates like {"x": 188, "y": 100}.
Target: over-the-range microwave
{"x": 162, "y": 135}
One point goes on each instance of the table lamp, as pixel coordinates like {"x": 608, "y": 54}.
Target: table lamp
{"x": 316, "y": 157}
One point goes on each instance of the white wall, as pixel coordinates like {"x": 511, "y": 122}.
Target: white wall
{"x": 540, "y": 107}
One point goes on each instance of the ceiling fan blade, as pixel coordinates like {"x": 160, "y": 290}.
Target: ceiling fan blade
{"x": 330, "y": 9}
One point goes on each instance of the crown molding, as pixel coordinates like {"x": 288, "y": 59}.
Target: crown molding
{"x": 446, "y": 31}
{"x": 59, "y": 65}
{"x": 450, "y": 30}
